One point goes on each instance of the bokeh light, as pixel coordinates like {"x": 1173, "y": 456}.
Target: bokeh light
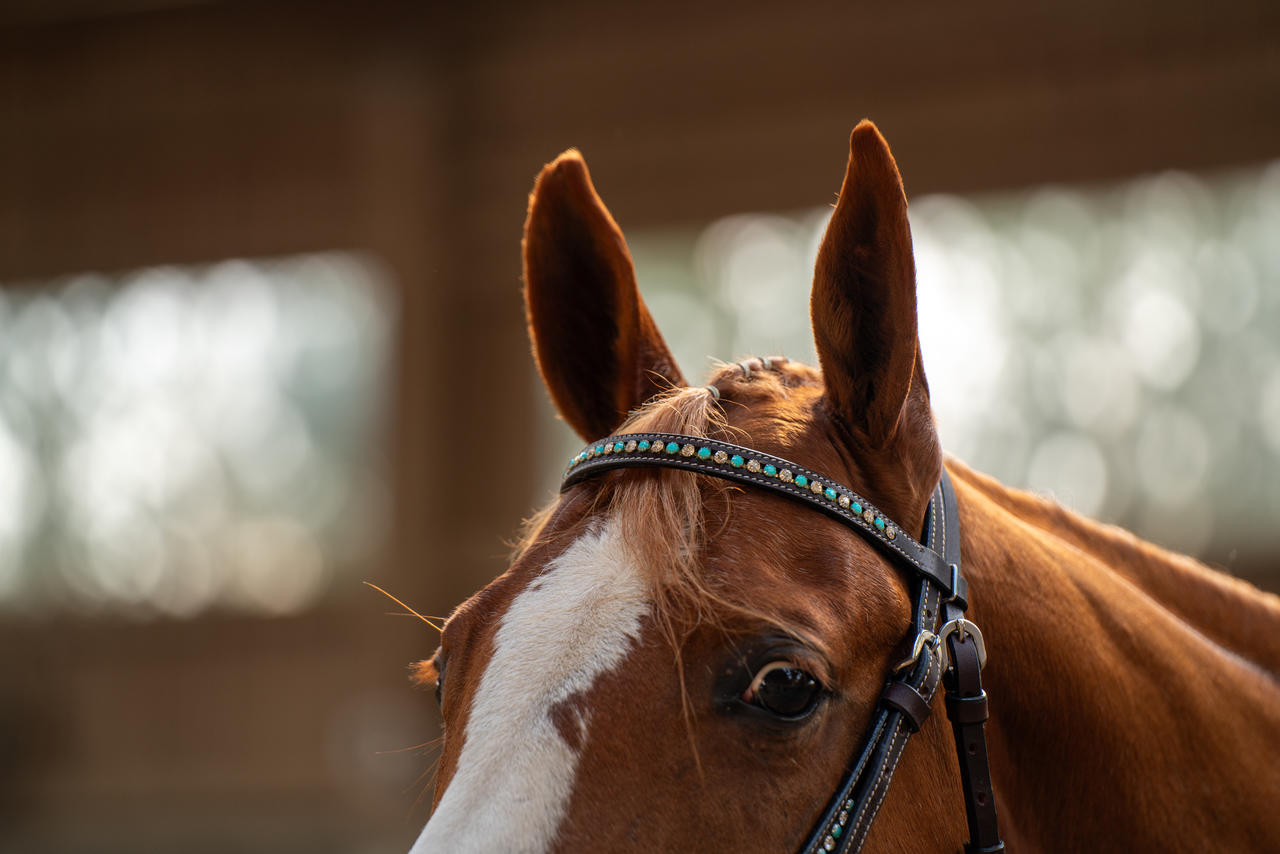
{"x": 181, "y": 438}
{"x": 1116, "y": 347}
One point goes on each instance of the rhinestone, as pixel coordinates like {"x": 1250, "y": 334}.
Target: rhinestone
{"x": 720, "y": 457}
{"x": 687, "y": 451}
{"x": 815, "y": 487}
{"x": 868, "y": 515}
{"x": 631, "y": 446}
{"x": 891, "y": 532}
{"x": 829, "y": 844}
{"x": 844, "y": 816}
{"x": 785, "y": 476}
{"x": 843, "y": 501}
{"x": 753, "y": 465}
{"x": 608, "y": 449}
{"x": 771, "y": 470}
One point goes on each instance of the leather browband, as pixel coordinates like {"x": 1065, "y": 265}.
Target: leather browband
{"x": 735, "y": 462}
{"x": 938, "y": 628}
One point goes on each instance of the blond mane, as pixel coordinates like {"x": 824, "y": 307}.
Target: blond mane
{"x": 667, "y": 511}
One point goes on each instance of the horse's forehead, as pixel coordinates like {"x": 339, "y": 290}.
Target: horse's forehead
{"x": 573, "y": 622}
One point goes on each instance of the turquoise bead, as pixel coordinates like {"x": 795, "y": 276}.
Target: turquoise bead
{"x": 771, "y": 470}
{"x": 642, "y": 445}
{"x": 617, "y": 447}
{"x": 735, "y": 461}
{"x": 801, "y": 480}
{"x": 672, "y": 447}
{"x": 599, "y": 450}
{"x": 836, "y": 831}
{"x": 704, "y": 453}
{"x": 856, "y": 508}
{"x": 830, "y": 493}
{"x": 880, "y": 522}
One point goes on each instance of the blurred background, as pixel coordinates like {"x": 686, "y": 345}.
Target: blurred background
{"x": 261, "y": 336}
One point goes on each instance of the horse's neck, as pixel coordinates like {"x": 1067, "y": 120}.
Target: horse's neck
{"x": 1231, "y": 613}
{"x": 1140, "y": 685}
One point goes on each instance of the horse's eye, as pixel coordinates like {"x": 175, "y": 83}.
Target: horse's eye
{"x": 783, "y": 689}
{"x": 440, "y": 683}
{"x": 431, "y": 672}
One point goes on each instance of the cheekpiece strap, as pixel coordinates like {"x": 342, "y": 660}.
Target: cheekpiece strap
{"x": 746, "y": 465}
{"x": 844, "y": 825}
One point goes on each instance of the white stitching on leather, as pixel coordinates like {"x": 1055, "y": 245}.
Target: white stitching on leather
{"x": 783, "y": 486}
{"x": 892, "y": 768}
{"x": 896, "y": 753}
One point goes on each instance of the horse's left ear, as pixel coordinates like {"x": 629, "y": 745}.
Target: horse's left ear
{"x": 599, "y": 351}
{"x": 864, "y": 319}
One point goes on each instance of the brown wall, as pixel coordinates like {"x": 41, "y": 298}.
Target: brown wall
{"x": 412, "y": 131}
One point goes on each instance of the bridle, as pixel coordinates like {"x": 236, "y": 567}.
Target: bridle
{"x": 946, "y": 648}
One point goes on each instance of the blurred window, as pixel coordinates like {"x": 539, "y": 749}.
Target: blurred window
{"x": 177, "y": 439}
{"x": 1117, "y": 347}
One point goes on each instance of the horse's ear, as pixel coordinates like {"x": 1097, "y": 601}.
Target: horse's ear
{"x": 864, "y": 314}
{"x": 597, "y": 348}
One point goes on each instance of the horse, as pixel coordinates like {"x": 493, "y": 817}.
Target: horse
{"x": 678, "y": 659}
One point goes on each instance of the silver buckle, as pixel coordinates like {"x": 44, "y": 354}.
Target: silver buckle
{"x": 960, "y": 626}
{"x": 925, "y": 640}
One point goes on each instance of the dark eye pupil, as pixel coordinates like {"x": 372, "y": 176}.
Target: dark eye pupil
{"x": 787, "y": 691}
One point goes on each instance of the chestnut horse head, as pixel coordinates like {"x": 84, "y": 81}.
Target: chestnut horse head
{"x": 675, "y": 662}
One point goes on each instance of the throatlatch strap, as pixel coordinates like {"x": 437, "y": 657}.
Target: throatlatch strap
{"x": 967, "y": 710}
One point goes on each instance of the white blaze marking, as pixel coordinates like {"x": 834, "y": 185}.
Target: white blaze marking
{"x": 515, "y": 774}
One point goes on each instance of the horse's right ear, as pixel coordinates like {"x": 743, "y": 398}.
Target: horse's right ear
{"x": 864, "y": 322}
{"x": 597, "y": 348}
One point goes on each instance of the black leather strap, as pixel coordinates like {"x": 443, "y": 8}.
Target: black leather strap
{"x": 967, "y": 710}
{"x": 845, "y": 823}
{"x": 907, "y": 700}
